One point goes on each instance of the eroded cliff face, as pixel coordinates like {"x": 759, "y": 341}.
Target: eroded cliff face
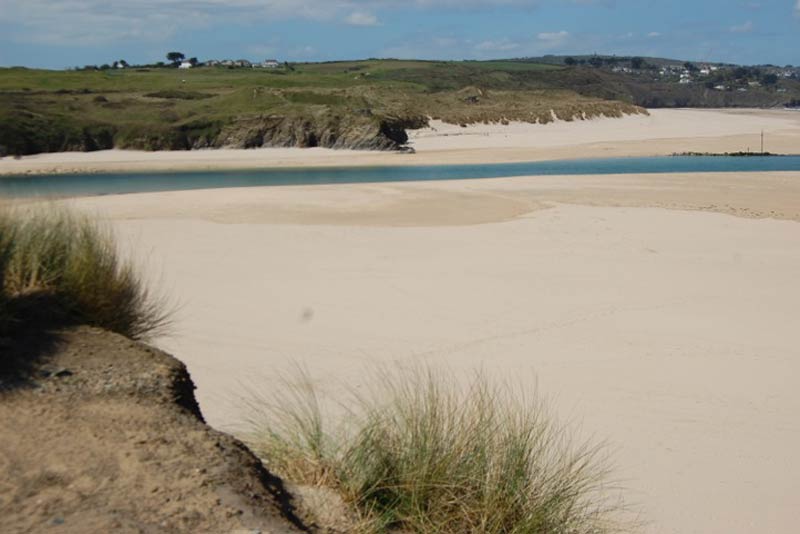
{"x": 155, "y": 124}
{"x": 32, "y": 134}
{"x": 357, "y": 133}
{"x": 99, "y": 433}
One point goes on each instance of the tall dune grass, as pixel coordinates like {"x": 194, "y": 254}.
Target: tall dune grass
{"x": 73, "y": 260}
{"x": 6, "y": 246}
{"x": 420, "y": 454}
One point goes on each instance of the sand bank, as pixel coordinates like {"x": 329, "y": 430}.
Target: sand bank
{"x": 663, "y": 132}
{"x": 671, "y": 333}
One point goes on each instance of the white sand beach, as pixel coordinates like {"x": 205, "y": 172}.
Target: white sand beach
{"x": 657, "y": 312}
{"x": 649, "y": 319}
{"x": 662, "y": 132}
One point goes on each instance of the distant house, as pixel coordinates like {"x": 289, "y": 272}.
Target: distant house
{"x": 242, "y": 64}
{"x": 231, "y": 63}
{"x": 267, "y": 64}
{"x": 185, "y": 65}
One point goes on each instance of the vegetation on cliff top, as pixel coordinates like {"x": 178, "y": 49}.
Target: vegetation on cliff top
{"x": 57, "y": 263}
{"x": 366, "y": 104}
{"x": 348, "y": 104}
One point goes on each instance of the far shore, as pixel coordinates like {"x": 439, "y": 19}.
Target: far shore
{"x": 661, "y": 133}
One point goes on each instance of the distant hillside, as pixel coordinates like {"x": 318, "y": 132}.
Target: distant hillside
{"x": 356, "y": 104}
{"x": 660, "y": 82}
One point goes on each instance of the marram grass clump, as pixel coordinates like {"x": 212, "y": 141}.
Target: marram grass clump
{"x": 421, "y": 453}
{"x": 74, "y": 262}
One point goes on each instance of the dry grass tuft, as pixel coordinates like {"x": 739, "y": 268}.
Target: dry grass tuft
{"x": 75, "y": 261}
{"x": 418, "y": 453}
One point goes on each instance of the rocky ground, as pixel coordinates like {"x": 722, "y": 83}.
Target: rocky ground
{"x": 102, "y": 434}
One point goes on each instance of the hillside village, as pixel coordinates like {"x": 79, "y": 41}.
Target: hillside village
{"x": 181, "y": 61}
{"x": 238, "y": 63}
{"x": 713, "y": 76}
{"x": 697, "y": 77}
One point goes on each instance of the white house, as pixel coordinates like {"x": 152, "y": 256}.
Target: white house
{"x": 185, "y": 65}
{"x": 267, "y": 64}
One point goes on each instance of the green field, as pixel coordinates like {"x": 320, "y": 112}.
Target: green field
{"x": 354, "y": 104}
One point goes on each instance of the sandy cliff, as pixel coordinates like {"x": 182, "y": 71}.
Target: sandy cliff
{"x": 102, "y": 434}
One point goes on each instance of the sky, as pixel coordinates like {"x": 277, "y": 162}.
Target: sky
{"x": 64, "y": 33}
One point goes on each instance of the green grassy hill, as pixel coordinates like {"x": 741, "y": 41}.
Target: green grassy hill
{"x": 354, "y": 104}
{"x": 364, "y": 104}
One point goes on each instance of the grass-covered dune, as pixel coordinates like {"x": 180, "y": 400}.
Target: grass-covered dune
{"x": 421, "y": 452}
{"x": 58, "y": 267}
{"x": 362, "y": 105}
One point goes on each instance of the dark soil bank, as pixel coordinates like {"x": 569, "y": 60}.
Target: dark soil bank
{"x": 102, "y": 434}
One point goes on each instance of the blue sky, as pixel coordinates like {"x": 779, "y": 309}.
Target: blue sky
{"x": 63, "y": 33}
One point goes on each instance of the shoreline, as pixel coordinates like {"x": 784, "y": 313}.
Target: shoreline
{"x": 462, "y": 202}
{"x": 661, "y": 133}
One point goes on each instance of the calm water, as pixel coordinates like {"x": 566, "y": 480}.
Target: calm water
{"x": 105, "y": 184}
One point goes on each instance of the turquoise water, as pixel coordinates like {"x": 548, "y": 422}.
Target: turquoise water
{"x": 106, "y": 184}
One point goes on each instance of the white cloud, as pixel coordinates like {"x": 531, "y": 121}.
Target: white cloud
{"x": 547, "y": 42}
{"x": 747, "y": 27}
{"x": 95, "y": 22}
{"x": 92, "y": 22}
{"x": 797, "y": 7}
{"x": 360, "y": 18}
{"x": 653, "y": 35}
{"x": 553, "y": 36}
{"x": 502, "y": 45}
